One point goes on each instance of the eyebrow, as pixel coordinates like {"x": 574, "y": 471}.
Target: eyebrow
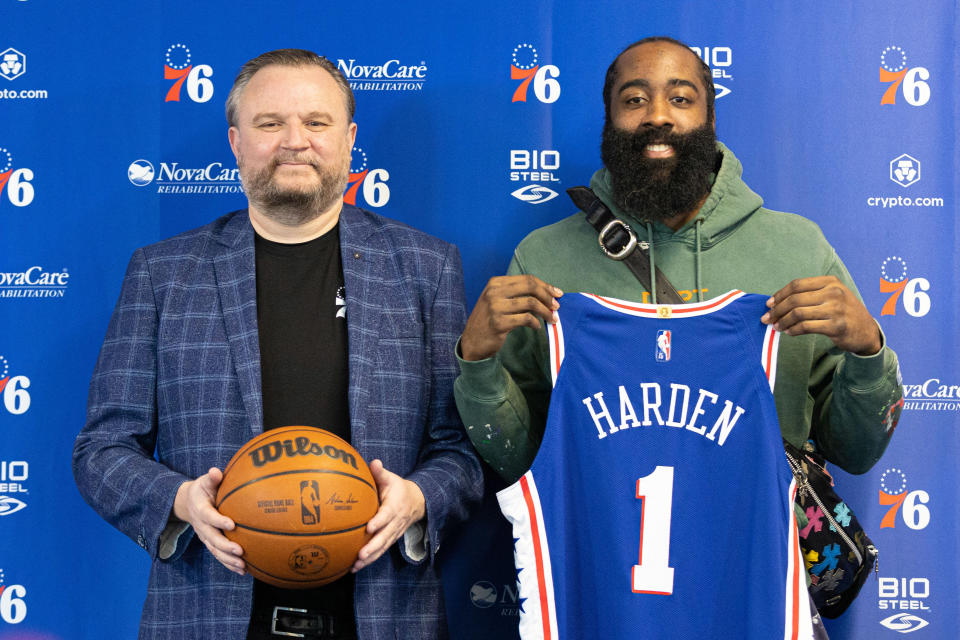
{"x": 313, "y": 115}
{"x": 644, "y": 84}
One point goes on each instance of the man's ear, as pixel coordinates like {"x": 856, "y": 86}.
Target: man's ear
{"x": 233, "y": 135}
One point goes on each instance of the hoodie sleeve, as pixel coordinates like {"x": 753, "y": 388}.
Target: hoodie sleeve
{"x": 503, "y": 400}
{"x": 857, "y": 399}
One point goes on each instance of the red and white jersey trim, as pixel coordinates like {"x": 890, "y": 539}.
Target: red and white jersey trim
{"x": 771, "y": 344}
{"x": 667, "y": 311}
{"x": 555, "y": 337}
{"x": 798, "y": 624}
{"x": 520, "y": 503}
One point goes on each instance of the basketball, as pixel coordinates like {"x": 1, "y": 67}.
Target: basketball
{"x": 300, "y": 498}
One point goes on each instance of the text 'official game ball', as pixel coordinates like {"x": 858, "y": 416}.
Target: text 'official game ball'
{"x": 300, "y": 498}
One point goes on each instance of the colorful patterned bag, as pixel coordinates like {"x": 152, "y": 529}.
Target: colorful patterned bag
{"x": 837, "y": 553}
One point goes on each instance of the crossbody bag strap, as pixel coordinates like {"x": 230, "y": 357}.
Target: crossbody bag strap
{"x": 619, "y": 242}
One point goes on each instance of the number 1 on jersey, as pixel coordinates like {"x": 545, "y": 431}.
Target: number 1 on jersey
{"x": 652, "y": 574}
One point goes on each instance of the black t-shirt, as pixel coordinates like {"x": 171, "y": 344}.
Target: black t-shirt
{"x": 301, "y": 318}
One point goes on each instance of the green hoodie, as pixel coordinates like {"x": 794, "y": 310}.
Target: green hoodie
{"x": 846, "y": 402}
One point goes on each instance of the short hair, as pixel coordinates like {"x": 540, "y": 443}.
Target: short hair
{"x": 706, "y": 75}
{"x": 285, "y": 58}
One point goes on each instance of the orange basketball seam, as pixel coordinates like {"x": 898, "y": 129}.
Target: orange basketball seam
{"x": 290, "y": 472}
{"x": 300, "y": 535}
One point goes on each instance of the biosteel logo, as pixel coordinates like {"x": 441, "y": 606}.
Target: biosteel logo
{"x": 534, "y": 166}
{"x": 720, "y": 61}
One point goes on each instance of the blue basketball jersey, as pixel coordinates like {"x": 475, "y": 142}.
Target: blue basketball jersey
{"x": 660, "y": 503}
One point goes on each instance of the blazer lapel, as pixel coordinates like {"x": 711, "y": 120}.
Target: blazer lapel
{"x": 235, "y": 267}
{"x": 363, "y": 266}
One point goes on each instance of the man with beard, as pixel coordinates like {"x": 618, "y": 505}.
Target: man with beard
{"x": 299, "y": 310}
{"x": 664, "y": 175}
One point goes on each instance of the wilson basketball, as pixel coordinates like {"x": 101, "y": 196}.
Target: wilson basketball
{"x": 300, "y": 498}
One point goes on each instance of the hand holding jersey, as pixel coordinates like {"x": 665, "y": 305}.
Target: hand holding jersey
{"x": 824, "y": 305}
{"x": 507, "y": 302}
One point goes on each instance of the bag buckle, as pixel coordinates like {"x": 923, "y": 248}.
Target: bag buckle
{"x": 627, "y": 249}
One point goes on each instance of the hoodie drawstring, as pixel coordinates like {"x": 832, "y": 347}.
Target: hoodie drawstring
{"x": 699, "y": 288}
{"x": 653, "y": 269}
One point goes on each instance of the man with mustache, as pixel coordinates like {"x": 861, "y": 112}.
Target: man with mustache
{"x": 299, "y": 310}
{"x": 667, "y": 177}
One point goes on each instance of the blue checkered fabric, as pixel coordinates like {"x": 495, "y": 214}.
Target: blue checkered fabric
{"x": 176, "y": 390}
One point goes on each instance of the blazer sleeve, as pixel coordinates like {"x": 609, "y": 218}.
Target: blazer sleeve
{"x": 113, "y": 456}
{"x": 448, "y": 472}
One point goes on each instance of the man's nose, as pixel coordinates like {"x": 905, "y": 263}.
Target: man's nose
{"x": 295, "y": 138}
{"x": 659, "y": 114}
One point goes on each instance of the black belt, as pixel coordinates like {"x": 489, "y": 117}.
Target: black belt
{"x": 289, "y": 622}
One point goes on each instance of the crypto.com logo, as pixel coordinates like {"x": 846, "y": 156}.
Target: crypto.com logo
{"x": 911, "y": 81}
{"x": 911, "y": 505}
{"x": 526, "y": 67}
{"x": 905, "y": 170}
{"x": 893, "y": 280}
{"x": 13, "y": 64}
{"x": 372, "y": 183}
{"x": 16, "y": 181}
{"x": 177, "y": 66}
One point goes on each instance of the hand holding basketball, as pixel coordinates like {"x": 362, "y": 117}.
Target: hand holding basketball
{"x": 194, "y": 505}
{"x": 401, "y": 504}
{"x": 298, "y": 500}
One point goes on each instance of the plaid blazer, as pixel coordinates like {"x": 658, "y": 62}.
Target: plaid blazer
{"x": 176, "y": 390}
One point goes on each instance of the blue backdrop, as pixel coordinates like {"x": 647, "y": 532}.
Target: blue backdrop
{"x": 471, "y": 120}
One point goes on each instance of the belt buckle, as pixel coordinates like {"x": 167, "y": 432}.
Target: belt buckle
{"x": 273, "y": 623}
{"x": 623, "y": 253}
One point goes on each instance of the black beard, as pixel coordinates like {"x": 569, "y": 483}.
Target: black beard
{"x": 657, "y": 189}
{"x": 293, "y": 207}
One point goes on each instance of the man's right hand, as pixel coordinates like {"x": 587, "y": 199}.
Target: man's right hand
{"x": 194, "y": 505}
{"x": 507, "y": 302}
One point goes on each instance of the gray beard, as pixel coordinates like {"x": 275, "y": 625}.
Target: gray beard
{"x": 292, "y": 207}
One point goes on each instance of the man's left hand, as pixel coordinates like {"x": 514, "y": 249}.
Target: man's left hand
{"x": 401, "y": 504}
{"x": 826, "y": 306}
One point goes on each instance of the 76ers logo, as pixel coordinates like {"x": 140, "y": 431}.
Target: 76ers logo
{"x": 371, "y": 182}
{"x": 663, "y": 345}
{"x": 911, "y": 505}
{"x": 15, "y": 181}
{"x": 197, "y": 77}
{"x": 916, "y": 302}
{"x": 526, "y": 66}
{"x": 911, "y": 81}
{"x": 13, "y": 608}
